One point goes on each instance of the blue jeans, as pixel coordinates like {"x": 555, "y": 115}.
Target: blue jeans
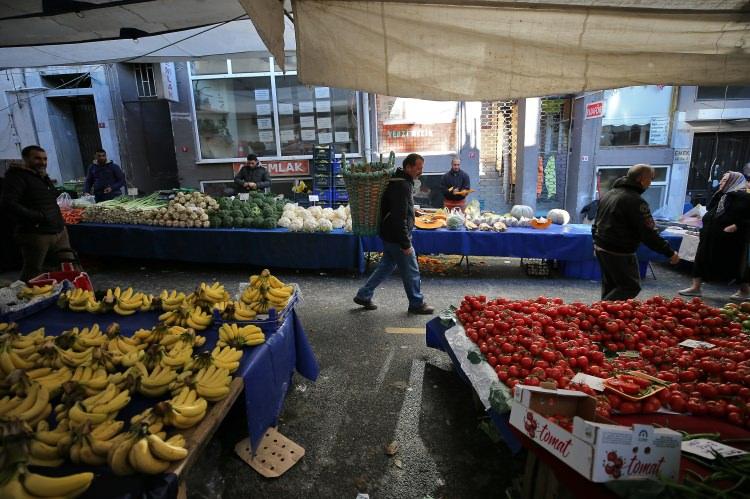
{"x": 394, "y": 257}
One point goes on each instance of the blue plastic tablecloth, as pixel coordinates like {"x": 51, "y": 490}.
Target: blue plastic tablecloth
{"x": 257, "y": 247}
{"x": 266, "y": 370}
{"x": 435, "y": 338}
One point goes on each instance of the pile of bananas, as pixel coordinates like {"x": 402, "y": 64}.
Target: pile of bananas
{"x": 24, "y": 399}
{"x": 240, "y": 336}
{"x": 145, "y": 449}
{"x": 128, "y": 302}
{"x": 194, "y": 317}
{"x": 266, "y": 291}
{"x": 29, "y": 293}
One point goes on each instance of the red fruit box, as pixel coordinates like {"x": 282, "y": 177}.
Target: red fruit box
{"x": 655, "y": 386}
{"x": 599, "y": 451}
{"x": 67, "y": 272}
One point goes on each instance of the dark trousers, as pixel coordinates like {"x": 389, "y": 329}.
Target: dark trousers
{"x": 35, "y": 248}
{"x": 621, "y": 279}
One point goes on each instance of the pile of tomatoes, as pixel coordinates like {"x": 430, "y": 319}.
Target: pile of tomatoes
{"x": 547, "y": 340}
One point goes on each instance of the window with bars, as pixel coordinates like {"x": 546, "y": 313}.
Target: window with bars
{"x": 145, "y": 81}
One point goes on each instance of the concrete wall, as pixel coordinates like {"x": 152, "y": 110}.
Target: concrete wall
{"x": 584, "y": 142}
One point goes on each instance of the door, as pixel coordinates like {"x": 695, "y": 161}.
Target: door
{"x": 87, "y": 127}
{"x": 713, "y": 155}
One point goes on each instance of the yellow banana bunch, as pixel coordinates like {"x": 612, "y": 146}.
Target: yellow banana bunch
{"x": 10, "y": 360}
{"x": 212, "y": 294}
{"x": 51, "y": 379}
{"x": 30, "y": 406}
{"x": 77, "y": 299}
{"x": 242, "y": 312}
{"x": 226, "y": 358}
{"x": 32, "y": 485}
{"x": 185, "y": 410}
{"x": 28, "y": 293}
{"x": 129, "y": 302}
{"x": 171, "y": 301}
{"x": 172, "y": 317}
{"x": 212, "y": 383}
{"x": 142, "y": 460}
{"x": 94, "y": 380}
{"x": 198, "y": 319}
{"x": 250, "y": 295}
{"x": 88, "y": 337}
{"x": 236, "y": 336}
{"x": 177, "y": 356}
{"x": 156, "y": 383}
{"x": 75, "y": 359}
{"x": 117, "y": 457}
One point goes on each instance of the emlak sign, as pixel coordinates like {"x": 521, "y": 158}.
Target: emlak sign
{"x": 282, "y": 167}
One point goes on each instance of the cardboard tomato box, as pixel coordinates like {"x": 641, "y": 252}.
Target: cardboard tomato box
{"x": 599, "y": 451}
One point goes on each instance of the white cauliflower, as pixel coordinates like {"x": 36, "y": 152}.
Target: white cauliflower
{"x": 285, "y": 222}
{"x": 296, "y": 225}
{"x": 325, "y": 225}
{"x": 310, "y": 225}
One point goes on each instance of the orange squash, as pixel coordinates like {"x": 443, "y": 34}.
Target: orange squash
{"x": 540, "y": 223}
{"x": 429, "y": 222}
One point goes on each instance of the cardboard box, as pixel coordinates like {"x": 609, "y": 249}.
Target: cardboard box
{"x": 599, "y": 451}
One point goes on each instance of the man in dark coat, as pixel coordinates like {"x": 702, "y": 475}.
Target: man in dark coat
{"x": 30, "y": 197}
{"x": 455, "y": 184}
{"x": 623, "y": 222}
{"x": 104, "y": 179}
{"x": 396, "y": 224}
{"x": 252, "y": 176}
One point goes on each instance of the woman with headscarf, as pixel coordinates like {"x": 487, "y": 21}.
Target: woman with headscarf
{"x": 722, "y": 250}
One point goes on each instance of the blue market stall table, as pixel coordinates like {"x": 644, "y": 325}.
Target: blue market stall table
{"x": 264, "y": 375}
{"x": 570, "y": 244}
{"x": 258, "y": 247}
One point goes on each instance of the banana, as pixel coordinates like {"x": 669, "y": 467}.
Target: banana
{"x": 89, "y": 456}
{"x": 182, "y": 422}
{"x": 41, "y": 402}
{"x": 65, "y": 486}
{"x": 274, "y": 282}
{"x": 178, "y": 440}
{"x": 191, "y": 410}
{"x": 9, "y": 403}
{"x": 78, "y": 415}
{"x": 14, "y": 490}
{"x": 41, "y": 450}
{"x": 28, "y": 402}
{"x": 48, "y": 463}
{"x": 142, "y": 460}
{"x": 121, "y": 311}
{"x": 165, "y": 451}
{"x": 107, "y": 430}
{"x": 114, "y": 405}
{"x": 117, "y": 457}
{"x": 6, "y": 363}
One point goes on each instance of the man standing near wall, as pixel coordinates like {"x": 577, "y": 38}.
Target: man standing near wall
{"x": 30, "y": 197}
{"x": 623, "y": 222}
{"x": 455, "y": 185}
{"x": 104, "y": 179}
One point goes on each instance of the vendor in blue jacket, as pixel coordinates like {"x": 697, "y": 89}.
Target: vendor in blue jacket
{"x": 104, "y": 179}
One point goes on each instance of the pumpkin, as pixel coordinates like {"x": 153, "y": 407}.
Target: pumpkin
{"x": 429, "y": 222}
{"x": 520, "y": 211}
{"x": 540, "y": 223}
{"x": 558, "y": 216}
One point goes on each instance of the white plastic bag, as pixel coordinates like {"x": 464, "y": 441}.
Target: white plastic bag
{"x": 64, "y": 201}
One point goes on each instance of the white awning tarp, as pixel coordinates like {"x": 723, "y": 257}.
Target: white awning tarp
{"x": 491, "y": 49}
{"x": 233, "y": 39}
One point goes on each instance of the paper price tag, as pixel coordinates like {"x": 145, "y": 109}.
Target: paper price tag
{"x": 244, "y": 196}
{"x": 696, "y": 344}
{"x": 132, "y": 191}
{"x": 704, "y": 447}
{"x": 313, "y": 198}
{"x": 592, "y": 381}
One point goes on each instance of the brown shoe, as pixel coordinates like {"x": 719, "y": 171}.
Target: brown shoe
{"x": 423, "y": 309}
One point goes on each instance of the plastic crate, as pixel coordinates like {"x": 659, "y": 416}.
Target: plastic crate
{"x": 537, "y": 267}
{"x": 322, "y": 181}
{"x": 336, "y": 167}
{"x": 78, "y": 278}
{"x": 323, "y": 152}
{"x": 338, "y": 182}
{"x": 341, "y": 196}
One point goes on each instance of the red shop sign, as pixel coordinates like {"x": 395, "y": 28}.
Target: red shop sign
{"x": 595, "y": 110}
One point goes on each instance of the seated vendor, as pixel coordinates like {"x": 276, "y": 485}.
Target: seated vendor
{"x": 252, "y": 176}
{"x": 455, "y": 186}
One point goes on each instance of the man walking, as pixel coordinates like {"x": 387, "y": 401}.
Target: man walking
{"x": 455, "y": 185}
{"x": 623, "y": 222}
{"x": 396, "y": 224}
{"x": 104, "y": 179}
{"x": 30, "y": 197}
{"x": 252, "y": 176}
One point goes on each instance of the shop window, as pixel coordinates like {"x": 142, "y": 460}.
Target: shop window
{"x": 209, "y": 67}
{"x": 315, "y": 115}
{"x": 721, "y": 93}
{"x": 250, "y": 65}
{"x": 427, "y": 193}
{"x": 414, "y": 125}
{"x": 234, "y": 117}
{"x": 655, "y": 195}
{"x": 636, "y": 116}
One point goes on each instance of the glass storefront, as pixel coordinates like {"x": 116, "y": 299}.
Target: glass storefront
{"x": 247, "y": 105}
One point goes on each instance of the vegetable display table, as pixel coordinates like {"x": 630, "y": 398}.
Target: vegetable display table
{"x": 258, "y": 247}
{"x": 264, "y": 377}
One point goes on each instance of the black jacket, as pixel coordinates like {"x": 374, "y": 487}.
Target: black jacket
{"x": 458, "y": 180}
{"x": 259, "y": 175}
{"x": 99, "y": 177}
{"x": 31, "y": 199}
{"x": 397, "y": 210}
{"x": 624, "y": 221}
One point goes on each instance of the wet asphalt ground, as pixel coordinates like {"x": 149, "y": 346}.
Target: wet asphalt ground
{"x": 375, "y": 388}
